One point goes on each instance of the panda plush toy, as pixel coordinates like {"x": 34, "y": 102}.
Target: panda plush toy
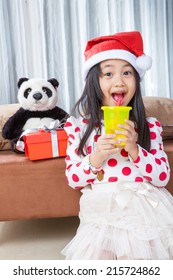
{"x": 37, "y": 99}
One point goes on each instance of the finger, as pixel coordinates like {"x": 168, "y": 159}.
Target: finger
{"x": 107, "y": 136}
{"x": 129, "y": 137}
{"x": 111, "y": 151}
{"x": 109, "y": 147}
{"x": 107, "y": 144}
{"x": 121, "y": 140}
{"x": 130, "y": 123}
{"x": 125, "y": 127}
{"x": 122, "y": 132}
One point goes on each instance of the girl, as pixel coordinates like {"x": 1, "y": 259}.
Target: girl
{"x": 125, "y": 212}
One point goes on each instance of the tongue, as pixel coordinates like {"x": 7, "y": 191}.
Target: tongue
{"x": 118, "y": 99}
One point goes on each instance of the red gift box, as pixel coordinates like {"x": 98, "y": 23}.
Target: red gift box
{"x": 45, "y": 144}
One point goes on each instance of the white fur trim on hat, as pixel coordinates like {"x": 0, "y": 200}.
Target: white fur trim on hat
{"x": 144, "y": 62}
{"x": 141, "y": 64}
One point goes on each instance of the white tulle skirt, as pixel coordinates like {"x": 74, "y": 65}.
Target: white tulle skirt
{"x": 123, "y": 221}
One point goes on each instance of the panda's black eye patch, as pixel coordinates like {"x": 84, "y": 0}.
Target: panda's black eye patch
{"x": 47, "y": 91}
{"x": 26, "y": 92}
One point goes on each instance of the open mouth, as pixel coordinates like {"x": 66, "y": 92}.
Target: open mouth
{"x": 118, "y": 98}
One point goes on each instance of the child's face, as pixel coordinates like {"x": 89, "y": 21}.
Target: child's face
{"x": 117, "y": 82}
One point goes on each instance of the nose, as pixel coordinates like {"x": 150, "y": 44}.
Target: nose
{"x": 37, "y": 95}
{"x": 118, "y": 81}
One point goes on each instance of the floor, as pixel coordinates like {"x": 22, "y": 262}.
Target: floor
{"x": 36, "y": 239}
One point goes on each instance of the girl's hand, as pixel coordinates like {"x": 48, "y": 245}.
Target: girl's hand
{"x": 105, "y": 146}
{"x": 131, "y": 138}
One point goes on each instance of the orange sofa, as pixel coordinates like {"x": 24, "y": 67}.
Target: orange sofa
{"x": 38, "y": 189}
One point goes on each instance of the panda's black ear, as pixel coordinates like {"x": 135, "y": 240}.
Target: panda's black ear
{"x": 54, "y": 82}
{"x": 21, "y": 80}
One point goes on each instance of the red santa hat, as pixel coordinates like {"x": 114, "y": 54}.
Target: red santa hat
{"x": 125, "y": 45}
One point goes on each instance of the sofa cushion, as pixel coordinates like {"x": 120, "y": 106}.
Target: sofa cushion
{"x": 162, "y": 109}
{"x": 35, "y": 189}
{"x": 6, "y": 111}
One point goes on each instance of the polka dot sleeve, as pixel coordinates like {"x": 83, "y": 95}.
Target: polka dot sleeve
{"x": 78, "y": 173}
{"x": 154, "y": 165}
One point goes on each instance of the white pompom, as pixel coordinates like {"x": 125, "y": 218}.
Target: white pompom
{"x": 144, "y": 62}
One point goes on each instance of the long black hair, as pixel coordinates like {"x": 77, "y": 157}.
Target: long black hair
{"x": 89, "y": 106}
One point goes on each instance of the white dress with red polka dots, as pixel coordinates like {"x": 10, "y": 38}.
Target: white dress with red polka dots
{"x": 128, "y": 214}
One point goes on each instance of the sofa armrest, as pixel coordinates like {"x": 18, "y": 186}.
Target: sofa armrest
{"x": 162, "y": 109}
{"x": 6, "y": 111}
{"x": 168, "y": 148}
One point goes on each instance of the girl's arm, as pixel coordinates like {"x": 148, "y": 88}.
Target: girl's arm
{"x": 153, "y": 165}
{"x": 78, "y": 171}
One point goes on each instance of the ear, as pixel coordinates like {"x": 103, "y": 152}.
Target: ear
{"x": 54, "y": 82}
{"x": 21, "y": 80}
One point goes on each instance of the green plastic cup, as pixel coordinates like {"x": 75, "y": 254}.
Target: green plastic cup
{"x": 114, "y": 115}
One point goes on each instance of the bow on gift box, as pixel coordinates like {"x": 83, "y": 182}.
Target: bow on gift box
{"x": 53, "y": 126}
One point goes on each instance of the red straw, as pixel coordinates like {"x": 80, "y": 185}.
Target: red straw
{"x": 119, "y": 102}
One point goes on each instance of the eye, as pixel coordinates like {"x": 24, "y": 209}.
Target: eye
{"x": 44, "y": 89}
{"x": 128, "y": 72}
{"x": 27, "y": 92}
{"x": 47, "y": 91}
{"x": 109, "y": 74}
